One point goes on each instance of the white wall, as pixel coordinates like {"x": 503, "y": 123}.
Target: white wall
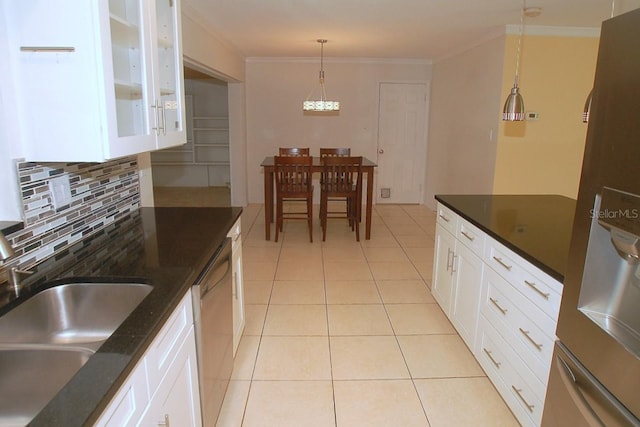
{"x": 276, "y": 88}
{"x": 10, "y": 149}
{"x": 463, "y": 124}
{"x": 201, "y": 46}
{"x": 238, "y": 144}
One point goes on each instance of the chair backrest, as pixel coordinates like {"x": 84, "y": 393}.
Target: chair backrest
{"x": 293, "y": 151}
{"x": 335, "y": 152}
{"x": 293, "y": 176}
{"x": 341, "y": 174}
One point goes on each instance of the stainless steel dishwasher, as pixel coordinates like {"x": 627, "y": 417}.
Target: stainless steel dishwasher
{"x": 213, "y": 318}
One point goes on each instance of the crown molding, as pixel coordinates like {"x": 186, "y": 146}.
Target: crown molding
{"x": 340, "y": 60}
{"x": 544, "y": 30}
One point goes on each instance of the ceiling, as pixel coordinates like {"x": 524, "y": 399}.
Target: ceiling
{"x": 407, "y": 29}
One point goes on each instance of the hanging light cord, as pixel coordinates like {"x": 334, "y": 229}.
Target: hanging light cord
{"x": 517, "y": 74}
{"x": 323, "y": 95}
{"x": 613, "y": 7}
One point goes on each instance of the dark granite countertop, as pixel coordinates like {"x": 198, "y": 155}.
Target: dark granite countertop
{"x": 164, "y": 247}
{"x": 536, "y": 227}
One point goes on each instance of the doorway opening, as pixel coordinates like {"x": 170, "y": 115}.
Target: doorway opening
{"x": 198, "y": 172}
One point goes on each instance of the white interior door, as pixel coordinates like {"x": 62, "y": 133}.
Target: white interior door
{"x": 402, "y": 142}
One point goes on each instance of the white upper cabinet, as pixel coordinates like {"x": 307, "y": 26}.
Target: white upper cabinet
{"x": 96, "y": 80}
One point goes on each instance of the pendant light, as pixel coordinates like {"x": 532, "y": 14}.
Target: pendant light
{"x": 321, "y": 104}
{"x": 513, "y": 109}
{"x": 587, "y": 108}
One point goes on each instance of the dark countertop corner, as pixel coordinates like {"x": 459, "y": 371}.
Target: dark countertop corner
{"x": 165, "y": 247}
{"x": 536, "y": 227}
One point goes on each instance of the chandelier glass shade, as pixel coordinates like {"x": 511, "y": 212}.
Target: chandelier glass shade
{"x": 321, "y": 104}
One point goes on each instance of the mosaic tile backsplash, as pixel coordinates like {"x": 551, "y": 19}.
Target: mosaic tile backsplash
{"x": 101, "y": 193}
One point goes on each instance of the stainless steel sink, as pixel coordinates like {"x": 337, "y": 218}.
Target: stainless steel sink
{"x": 71, "y": 314}
{"x": 46, "y": 339}
{"x": 30, "y": 378}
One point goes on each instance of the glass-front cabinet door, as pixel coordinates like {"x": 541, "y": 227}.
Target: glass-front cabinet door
{"x": 168, "y": 74}
{"x": 132, "y": 78}
{"x": 131, "y": 75}
{"x": 147, "y": 70}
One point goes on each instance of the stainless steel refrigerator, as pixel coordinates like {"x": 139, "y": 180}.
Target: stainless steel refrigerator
{"x": 595, "y": 375}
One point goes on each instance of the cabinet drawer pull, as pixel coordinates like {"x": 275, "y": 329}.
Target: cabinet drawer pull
{"x": 533, "y": 286}
{"x": 157, "y": 117}
{"x": 488, "y": 353}
{"x": 495, "y": 302}
{"x": 519, "y": 393}
{"x": 526, "y": 334}
{"x": 502, "y": 263}
{"x": 453, "y": 262}
{"x": 444, "y": 218}
{"x": 163, "y": 115}
{"x": 468, "y": 236}
{"x": 166, "y": 422}
{"x": 47, "y": 49}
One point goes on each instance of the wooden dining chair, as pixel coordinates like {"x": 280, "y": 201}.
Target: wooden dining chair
{"x": 341, "y": 178}
{"x": 340, "y": 151}
{"x": 293, "y": 182}
{"x": 345, "y": 151}
{"x": 293, "y": 151}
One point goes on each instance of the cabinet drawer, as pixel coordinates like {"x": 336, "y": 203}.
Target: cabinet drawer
{"x": 471, "y": 236}
{"x": 447, "y": 219}
{"x": 532, "y": 335}
{"x": 164, "y": 347}
{"x": 538, "y": 287}
{"x": 515, "y": 382}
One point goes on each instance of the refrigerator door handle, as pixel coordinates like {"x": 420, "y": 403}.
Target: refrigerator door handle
{"x": 573, "y": 388}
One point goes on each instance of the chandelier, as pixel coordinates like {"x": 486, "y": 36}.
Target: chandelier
{"x": 321, "y": 104}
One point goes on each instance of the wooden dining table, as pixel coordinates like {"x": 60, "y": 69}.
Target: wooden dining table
{"x": 269, "y": 166}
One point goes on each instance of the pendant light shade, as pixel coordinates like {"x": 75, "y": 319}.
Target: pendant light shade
{"x": 321, "y": 104}
{"x": 513, "y": 109}
{"x": 587, "y": 108}
{"x": 514, "y": 106}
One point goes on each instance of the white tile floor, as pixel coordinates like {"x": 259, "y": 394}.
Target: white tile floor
{"x": 346, "y": 333}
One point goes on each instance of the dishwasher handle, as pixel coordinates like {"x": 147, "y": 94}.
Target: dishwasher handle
{"x": 218, "y": 271}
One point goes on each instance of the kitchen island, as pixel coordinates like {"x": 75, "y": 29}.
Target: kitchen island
{"x": 499, "y": 264}
{"x": 167, "y": 248}
{"x": 536, "y": 227}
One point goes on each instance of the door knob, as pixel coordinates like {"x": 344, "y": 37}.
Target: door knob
{"x": 381, "y": 151}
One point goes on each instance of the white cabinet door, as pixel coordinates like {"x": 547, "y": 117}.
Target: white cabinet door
{"x": 126, "y": 408}
{"x": 87, "y": 77}
{"x": 176, "y": 401}
{"x": 238, "y": 297}
{"x": 238, "y": 284}
{"x": 442, "y": 286}
{"x": 465, "y": 308}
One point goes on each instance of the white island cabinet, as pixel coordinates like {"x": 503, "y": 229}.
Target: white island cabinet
{"x": 95, "y": 80}
{"x": 163, "y": 387}
{"x": 504, "y": 307}
{"x": 457, "y": 273}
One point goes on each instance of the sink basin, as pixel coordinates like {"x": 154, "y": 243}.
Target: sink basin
{"x": 30, "y": 378}
{"x": 71, "y": 314}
